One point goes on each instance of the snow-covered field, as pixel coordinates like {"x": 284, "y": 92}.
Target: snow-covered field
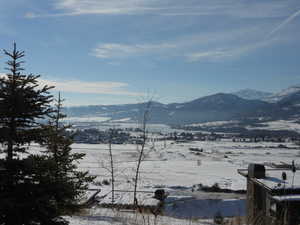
{"x": 174, "y": 166}
{"x": 177, "y": 169}
{"x": 109, "y": 217}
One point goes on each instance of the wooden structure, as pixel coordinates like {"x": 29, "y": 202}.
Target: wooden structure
{"x": 273, "y": 196}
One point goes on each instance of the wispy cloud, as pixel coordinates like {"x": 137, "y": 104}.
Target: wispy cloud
{"x": 222, "y": 44}
{"x": 116, "y": 50}
{"x": 77, "y": 86}
{"x": 210, "y": 46}
{"x": 284, "y": 23}
{"x": 253, "y": 9}
{"x": 208, "y": 55}
{"x": 222, "y": 54}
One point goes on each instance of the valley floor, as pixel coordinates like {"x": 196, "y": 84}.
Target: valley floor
{"x": 180, "y": 171}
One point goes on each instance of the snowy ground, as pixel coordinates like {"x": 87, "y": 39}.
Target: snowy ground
{"x": 179, "y": 171}
{"x": 109, "y": 217}
{"x": 175, "y": 166}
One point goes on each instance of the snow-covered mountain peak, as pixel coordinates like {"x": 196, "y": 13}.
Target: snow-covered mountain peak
{"x": 284, "y": 93}
{"x": 251, "y": 94}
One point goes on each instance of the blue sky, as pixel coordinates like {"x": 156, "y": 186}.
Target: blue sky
{"x": 121, "y": 51}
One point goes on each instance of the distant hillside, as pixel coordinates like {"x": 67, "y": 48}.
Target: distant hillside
{"x": 210, "y": 108}
{"x": 251, "y": 94}
{"x": 283, "y": 94}
{"x": 217, "y": 107}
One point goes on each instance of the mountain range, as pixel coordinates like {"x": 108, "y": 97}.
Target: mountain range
{"x": 251, "y": 94}
{"x": 244, "y": 105}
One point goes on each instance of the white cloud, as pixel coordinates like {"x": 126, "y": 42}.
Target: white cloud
{"x": 76, "y": 86}
{"x": 207, "y": 55}
{"x": 30, "y": 15}
{"x": 212, "y": 46}
{"x": 221, "y": 54}
{"x": 239, "y": 8}
{"x": 117, "y": 50}
{"x": 120, "y": 50}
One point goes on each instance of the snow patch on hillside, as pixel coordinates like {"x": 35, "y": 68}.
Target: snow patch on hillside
{"x": 291, "y": 125}
{"x": 122, "y": 120}
{"x": 171, "y": 113}
{"x": 284, "y": 93}
{"x": 86, "y": 119}
{"x": 214, "y": 124}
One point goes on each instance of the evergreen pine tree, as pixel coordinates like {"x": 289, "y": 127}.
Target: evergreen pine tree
{"x": 22, "y": 102}
{"x": 24, "y": 181}
{"x": 71, "y": 184}
{"x": 35, "y": 189}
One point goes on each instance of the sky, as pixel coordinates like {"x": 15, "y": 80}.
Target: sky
{"x": 125, "y": 51}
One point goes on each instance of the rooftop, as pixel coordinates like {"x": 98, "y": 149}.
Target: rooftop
{"x": 284, "y": 198}
{"x": 274, "y": 180}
